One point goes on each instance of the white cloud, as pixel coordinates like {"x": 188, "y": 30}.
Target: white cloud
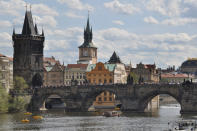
{"x": 191, "y": 2}
{"x": 11, "y": 7}
{"x": 4, "y": 36}
{"x": 179, "y": 21}
{"x": 125, "y": 8}
{"x": 151, "y": 20}
{"x": 76, "y": 4}
{"x": 118, "y": 22}
{"x": 42, "y": 9}
{"x": 166, "y": 7}
{"x": 46, "y": 20}
{"x": 5, "y": 23}
{"x": 73, "y": 15}
{"x": 161, "y": 48}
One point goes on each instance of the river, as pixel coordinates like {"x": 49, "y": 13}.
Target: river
{"x": 62, "y": 121}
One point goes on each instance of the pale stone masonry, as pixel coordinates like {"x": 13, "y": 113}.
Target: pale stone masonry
{"x": 6, "y": 72}
{"x": 76, "y": 72}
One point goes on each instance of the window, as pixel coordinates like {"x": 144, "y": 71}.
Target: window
{"x": 3, "y": 84}
{"x": 100, "y": 81}
{"x": 3, "y": 76}
{"x": 110, "y": 80}
{"x": 99, "y": 99}
{"x": 105, "y": 93}
{"x": 105, "y": 98}
{"x": 105, "y": 81}
{"x": 100, "y": 68}
{"x": 110, "y": 99}
{"x": 3, "y": 67}
{"x": 110, "y": 93}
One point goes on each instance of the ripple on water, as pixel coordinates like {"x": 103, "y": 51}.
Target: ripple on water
{"x": 60, "y": 121}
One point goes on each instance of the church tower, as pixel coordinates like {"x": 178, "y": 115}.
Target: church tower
{"x": 87, "y": 51}
{"x": 28, "y": 52}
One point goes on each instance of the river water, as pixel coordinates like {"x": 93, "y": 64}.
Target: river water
{"x": 62, "y": 121}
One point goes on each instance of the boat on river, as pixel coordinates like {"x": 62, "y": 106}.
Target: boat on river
{"x": 185, "y": 125}
{"x": 25, "y": 121}
{"x": 112, "y": 113}
{"x": 37, "y": 117}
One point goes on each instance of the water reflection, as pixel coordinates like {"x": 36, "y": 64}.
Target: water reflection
{"x": 93, "y": 121}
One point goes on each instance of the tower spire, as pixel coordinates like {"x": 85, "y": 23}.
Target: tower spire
{"x": 88, "y": 32}
{"x": 36, "y": 28}
{"x": 42, "y": 31}
{"x": 28, "y": 26}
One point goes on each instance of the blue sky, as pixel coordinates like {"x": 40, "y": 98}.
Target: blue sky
{"x": 149, "y": 31}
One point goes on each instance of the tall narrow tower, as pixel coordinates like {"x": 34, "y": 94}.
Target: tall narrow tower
{"x": 28, "y": 52}
{"x": 87, "y": 51}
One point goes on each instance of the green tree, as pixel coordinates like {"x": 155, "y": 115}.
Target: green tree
{"x": 20, "y": 83}
{"x": 134, "y": 77}
{"x": 3, "y": 100}
{"x": 17, "y": 104}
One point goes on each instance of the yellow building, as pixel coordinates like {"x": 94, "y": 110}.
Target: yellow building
{"x": 102, "y": 74}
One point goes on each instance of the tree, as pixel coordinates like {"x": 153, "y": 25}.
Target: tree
{"x": 3, "y": 100}
{"x": 133, "y": 77}
{"x": 17, "y": 104}
{"x": 20, "y": 83}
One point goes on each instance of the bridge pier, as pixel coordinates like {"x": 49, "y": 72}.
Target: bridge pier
{"x": 131, "y": 105}
{"x": 74, "y": 105}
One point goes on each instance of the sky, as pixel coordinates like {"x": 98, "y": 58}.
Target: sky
{"x": 163, "y": 32}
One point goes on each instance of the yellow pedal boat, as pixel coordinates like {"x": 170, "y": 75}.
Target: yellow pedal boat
{"x": 25, "y": 120}
{"x": 37, "y": 117}
{"x": 27, "y": 113}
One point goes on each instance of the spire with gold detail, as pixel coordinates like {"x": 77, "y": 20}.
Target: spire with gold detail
{"x": 88, "y": 35}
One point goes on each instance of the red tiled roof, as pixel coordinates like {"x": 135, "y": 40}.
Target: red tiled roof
{"x": 49, "y": 59}
{"x": 149, "y": 66}
{"x": 10, "y": 58}
{"x": 1, "y": 55}
{"x": 77, "y": 66}
{"x": 170, "y": 75}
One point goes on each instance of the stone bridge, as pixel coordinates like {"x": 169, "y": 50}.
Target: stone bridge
{"x": 134, "y": 98}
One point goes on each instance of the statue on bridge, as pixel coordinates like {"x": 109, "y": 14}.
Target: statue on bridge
{"x": 37, "y": 80}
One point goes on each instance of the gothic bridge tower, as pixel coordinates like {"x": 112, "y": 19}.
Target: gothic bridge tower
{"x": 28, "y": 52}
{"x": 87, "y": 51}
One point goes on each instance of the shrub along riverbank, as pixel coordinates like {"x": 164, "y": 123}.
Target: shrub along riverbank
{"x": 13, "y": 104}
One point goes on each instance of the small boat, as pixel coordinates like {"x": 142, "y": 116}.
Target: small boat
{"x": 25, "y": 120}
{"x": 112, "y": 113}
{"x": 27, "y": 113}
{"x": 185, "y": 125}
{"x": 37, "y": 117}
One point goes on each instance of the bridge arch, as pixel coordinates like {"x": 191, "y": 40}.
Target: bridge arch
{"x": 42, "y": 94}
{"x": 91, "y": 97}
{"x": 143, "y": 102}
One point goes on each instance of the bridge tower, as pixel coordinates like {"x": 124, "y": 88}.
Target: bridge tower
{"x": 28, "y": 52}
